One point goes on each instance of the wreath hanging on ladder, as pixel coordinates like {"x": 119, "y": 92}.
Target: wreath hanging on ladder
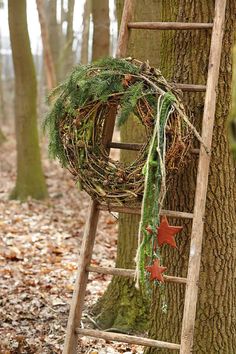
{"x": 83, "y": 103}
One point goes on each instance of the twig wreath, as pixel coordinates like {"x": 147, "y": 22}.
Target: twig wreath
{"x": 83, "y": 103}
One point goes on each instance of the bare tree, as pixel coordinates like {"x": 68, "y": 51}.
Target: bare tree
{"x": 184, "y": 58}
{"x": 49, "y": 64}
{"x": 101, "y": 30}
{"x": 85, "y": 35}
{"x": 2, "y": 107}
{"x": 68, "y": 54}
{"x": 30, "y": 179}
{"x": 55, "y": 36}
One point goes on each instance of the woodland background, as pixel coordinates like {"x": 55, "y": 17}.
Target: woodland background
{"x": 40, "y": 240}
{"x": 42, "y": 213}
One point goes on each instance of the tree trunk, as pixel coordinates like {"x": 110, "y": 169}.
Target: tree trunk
{"x": 55, "y": 40}
{"x": 68, "y": 54}
{"x": 232, "y": 120}
{"x": 85, "y": 35}
{"x": 49, "y": 65}
{"x": 101, "y": 29}
{"x": 184, "y": 58}
{"x": 30, "y": 180}
{"x": 2, "y": 137}
{"x": 123, "y": 306}
{"x": 2, "y": 102}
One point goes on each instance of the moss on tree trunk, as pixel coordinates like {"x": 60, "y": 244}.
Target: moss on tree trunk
{"x": 185, "y": 59}
{"x": 30, "y": 179}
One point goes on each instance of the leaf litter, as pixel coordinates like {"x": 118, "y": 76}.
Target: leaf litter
{"x": 39, "y": 250}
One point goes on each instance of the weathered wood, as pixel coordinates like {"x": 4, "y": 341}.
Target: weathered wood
{"x": 126, "y": 338}
{"x": 131, "y": 273}
{"x": 190, "y": 87}
{"x": 195, "y": 151}
{"x": 202, "y": 180}
{"x": 137, "y": 210}
{"x": 81, "y": 281}
{"x": 86, "y": 252}
{"x": 126, "y": 146}
{"x": 169, "y": 25}
{"x": 108, "y": 128}
{"x": 123, "y": 38}
{"x": 136, "y": 147}
{"x": 131, "y": 146}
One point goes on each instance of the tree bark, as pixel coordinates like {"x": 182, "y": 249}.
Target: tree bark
{"x": 2, "y": 102}
{"x": 184, "y": 58}
{"x": 68, "y": 54}
{"x": 123, "y": 306}
{"x": 85, "y": 35}
{"x": 30, "y": 179}
{"x": 101, "y": 29}
{"x": 232, "y": 119}
{"x": 56, "y": 42}
{"x": 49, "y": 64}
{"x": 2, "y": 137}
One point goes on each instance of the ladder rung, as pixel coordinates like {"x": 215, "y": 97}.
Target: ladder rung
{"x": 169, "y": 25}
{"x": 126, "y": 146}
{"x": 111, "y": 336}
{"x": 136, "y": 147}
{"x": 130, "y": 273}
{"x": 137, "y": 210}
{"x": 190, "y": 87}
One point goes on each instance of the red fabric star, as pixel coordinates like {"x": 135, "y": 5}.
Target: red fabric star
{"x": 166, "y": 233}
{"x": 156, "y": 271}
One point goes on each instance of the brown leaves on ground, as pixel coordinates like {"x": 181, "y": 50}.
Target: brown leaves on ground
{"x": 39, "y": 249}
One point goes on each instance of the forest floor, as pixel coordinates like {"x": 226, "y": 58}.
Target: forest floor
{"x": 39, "y": 249}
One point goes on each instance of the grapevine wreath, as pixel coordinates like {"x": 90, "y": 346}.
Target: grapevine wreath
{"x": 83, "y": 103}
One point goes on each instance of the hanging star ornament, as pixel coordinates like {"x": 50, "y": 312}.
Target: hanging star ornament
{"x": 166, "y": 233}
{"x": 156, "y": 271}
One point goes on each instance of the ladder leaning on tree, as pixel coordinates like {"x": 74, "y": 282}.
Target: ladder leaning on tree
{"x": 191, "y": 293}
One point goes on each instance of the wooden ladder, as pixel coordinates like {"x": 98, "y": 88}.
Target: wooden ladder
{"x": 73, "y": 327}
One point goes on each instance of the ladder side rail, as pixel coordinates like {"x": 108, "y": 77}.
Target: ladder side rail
{"x": 86, "y": 255}
{"x": 124, "y": 32}
{"x": 76, "y": 307}
{"x": 202, "y": 180}
{"x": 77, "y": 302}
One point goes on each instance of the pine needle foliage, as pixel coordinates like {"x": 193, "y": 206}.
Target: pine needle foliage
{"x": 86, "y": 84}
{"x": 129, "y": 101}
